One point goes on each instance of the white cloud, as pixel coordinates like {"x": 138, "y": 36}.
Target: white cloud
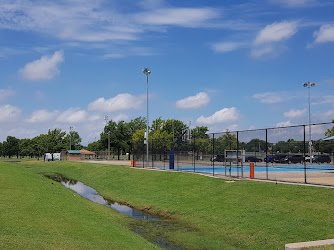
{"x": 117, "y": 103}
{"x": 41, "y": 116}
{"x": 120, "y": 117}
{"x": 261, "y": 51}
{"x": 22, "y": 132}
{"x": 294, "y": 3}
{"x": 268, "y": 97}
{"x": 5, "y": 93}
{"x": 227, "y": 46}
{"x": 295, "y": 113}
{"x": 43, "y": 69}
{"x": 72, "y": 116}
{"x": 193, "y": 102}
{"x": 276, "y": 32}
{"x": 284, "y": 124}
{"x": 186, "y": 17}
{"x": 9, "y": 113}
{"x": 225, "y": 115}
{"x": 325, "y": 34}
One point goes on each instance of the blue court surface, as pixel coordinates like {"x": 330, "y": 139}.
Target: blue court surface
{"x": 271, "y": 168}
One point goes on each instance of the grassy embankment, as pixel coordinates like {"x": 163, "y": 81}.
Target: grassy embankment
{"x": 204, "y": 212}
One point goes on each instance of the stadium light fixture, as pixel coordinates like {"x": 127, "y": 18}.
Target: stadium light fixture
{"x": 147, "y": 72}
{"x": 309, "y": 85}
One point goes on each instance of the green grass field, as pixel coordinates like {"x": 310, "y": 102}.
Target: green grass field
{"x": 199, "y": 212}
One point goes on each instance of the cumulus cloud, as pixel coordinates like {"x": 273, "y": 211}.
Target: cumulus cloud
{"x": 41, "y": 116}
{"x": 268, "y": 97}
{"x": 120, "y": 102}
{"x": 294, "y": 113}
{"x": 225, "y": 115}
{"x": 186, "y": 17}
{"x": 5, "y": 93}
{"x": 284, "y": 124}
{"x": 325, "y": 34}
{"x": 193, "y": 102}
{"x": 9, "y": 113}
{"x": 276, "y": 32}
{"x": 45, "y": 68}
{"x": 72, "y": 116}
{"x": 120, "y": 117}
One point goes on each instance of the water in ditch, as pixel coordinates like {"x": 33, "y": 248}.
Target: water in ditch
{"x": 92, "y": 195}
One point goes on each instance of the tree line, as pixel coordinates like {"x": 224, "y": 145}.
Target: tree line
{"x": 165, "y": 135}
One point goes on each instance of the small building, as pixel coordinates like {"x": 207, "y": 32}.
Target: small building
{"x": 87, "y": 155}
{"x": 73, "y": 155}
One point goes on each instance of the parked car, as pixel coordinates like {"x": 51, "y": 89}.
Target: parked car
{"x": 252, "y": 159}
{"x": 279, "y": 158}
{"x": 307, "y": 158}
{"x": 293, "y": 159}
{"x": 321, "y": 159}
{"x": 269, "y": 158}
{"x": 219, "y": 158}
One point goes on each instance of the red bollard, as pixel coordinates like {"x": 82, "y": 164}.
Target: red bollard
{"x": 251, "y": 170}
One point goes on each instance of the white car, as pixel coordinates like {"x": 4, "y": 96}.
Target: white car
{"x": 307, "y": 158}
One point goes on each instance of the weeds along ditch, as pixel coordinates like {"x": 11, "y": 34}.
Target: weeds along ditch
{"x": 198, "y": 212}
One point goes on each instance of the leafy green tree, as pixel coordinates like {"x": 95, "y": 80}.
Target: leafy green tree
{"x": 55, "y": 141}
{"x": 138, "y": 142}
{"x": 200, "y": 132}
{"x": 39, "y": 144}
{"x": 174, "y": 127}
{"x": 138, "y": 123}
{"x": 1, "y": 149}
{"x": 74, "y": 140}
{"x": 26, "y": 148}
{"x": 227, "y": 141}
{"x": 11, "y": 146}
{"x": 255, "y": 145}
{"x": 330, "y": 132}
{"x": 94, "y": 146}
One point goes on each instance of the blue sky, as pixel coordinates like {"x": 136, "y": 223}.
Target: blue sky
{"x": 223, "y": 64}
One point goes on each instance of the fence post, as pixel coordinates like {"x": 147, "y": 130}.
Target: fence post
{"x": 267, "y": 153}
{"x": 305, "y": 156}
{"x": 238, "y": 154}
{"x": 213, "y": 153}
{"x": 194, "y": 152}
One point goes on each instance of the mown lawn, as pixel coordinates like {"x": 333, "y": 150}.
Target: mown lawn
{"x": 202, "y": 212}
{"x": 38, "y": 213}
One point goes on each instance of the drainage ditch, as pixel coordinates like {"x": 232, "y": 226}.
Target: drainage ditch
{"x": 139, "y": 228}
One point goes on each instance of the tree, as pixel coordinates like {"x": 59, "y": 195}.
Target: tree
{"x": 55, "y": 140}
{"x": 40, "y": 145}
{"x": 11, "y": 146}
{"x": 227, "y": 141}
{"x": 74, "y": 140}
{"x": 330, "y": 132}
{"x": 255, "y": 145}
{"x": 138, "y": 123}
{"x": 200, "y": 132}
{"x": 94, "y": 146}
{"x": 26, "y": 148}
{"x": 138, "y": 145}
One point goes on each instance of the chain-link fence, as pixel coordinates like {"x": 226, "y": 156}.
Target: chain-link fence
{"x": 288, "y": 154}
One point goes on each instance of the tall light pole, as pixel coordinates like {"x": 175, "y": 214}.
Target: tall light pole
{"x": 71, "y": 129}
{"x": 147, "y": 72}
{"x": 309, "y": 85}
{"x": 106, "y": 119}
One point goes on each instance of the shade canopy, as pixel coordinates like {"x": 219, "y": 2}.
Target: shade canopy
{"x": 328, "y": 138}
